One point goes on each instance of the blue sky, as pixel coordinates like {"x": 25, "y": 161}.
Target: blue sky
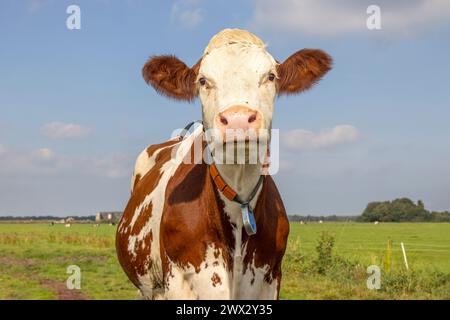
{"x": 75, "y": 111}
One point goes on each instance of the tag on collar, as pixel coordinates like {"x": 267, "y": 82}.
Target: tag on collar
{"x": 248, "y": 219}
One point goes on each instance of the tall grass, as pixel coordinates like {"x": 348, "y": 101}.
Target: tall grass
{"x": 325, "y": 266}
{"x": 79, "y": 239}
{"x": 387, "y": 263}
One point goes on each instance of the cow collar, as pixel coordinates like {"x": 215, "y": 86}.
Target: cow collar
{"x": 248, "y": 218}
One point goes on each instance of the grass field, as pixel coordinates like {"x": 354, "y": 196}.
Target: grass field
{"x": 34, "y": 260}
{"x": 359, "y": 245}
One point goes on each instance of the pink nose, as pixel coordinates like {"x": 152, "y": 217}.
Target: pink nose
{"x": 239, "y": 118}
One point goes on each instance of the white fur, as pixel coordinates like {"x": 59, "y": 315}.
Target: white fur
{"x": 156, "y": 199}
{"x": 237, "y": 74}
{"x": 260, "y": 288}
{"x": 186, "y": 283}
{"x": 236, "y": 67}
{"x": 144, "y": 163}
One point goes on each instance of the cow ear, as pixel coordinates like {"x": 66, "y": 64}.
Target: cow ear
{"x": 302, "y": 70}
{"x": 171, "y": 77}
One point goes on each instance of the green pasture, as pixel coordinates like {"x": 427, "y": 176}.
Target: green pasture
{"x": 34, "y": 260}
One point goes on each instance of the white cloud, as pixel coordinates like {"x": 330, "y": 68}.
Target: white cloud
{"x": 62, "y": 183}
{"x": 38, "y": 162}
{"x": 304, "y": 140}
{"x": 46, "y": 162}
{"x": 186, "y": 13}
{"x": 61, "y": 130}
{"x": 34, "y": 6}
{"x": 44, "y": 154}
{"x": 112, "y": 166}
{"x": 331, "y": 17}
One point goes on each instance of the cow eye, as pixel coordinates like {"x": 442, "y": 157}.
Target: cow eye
{"x": 202, "y": 81}
{"x": 271, "y": 77}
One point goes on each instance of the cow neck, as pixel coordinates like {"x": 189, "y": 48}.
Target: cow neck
{"x": 242, "y": 180}
{"x": 238, "y": 183}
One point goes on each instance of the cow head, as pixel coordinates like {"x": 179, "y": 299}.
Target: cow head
{"x": 237, "y": 81}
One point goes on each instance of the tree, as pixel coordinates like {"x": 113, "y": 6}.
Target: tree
{"x": 398, "y": 210}
{"x": 420, "y": 204}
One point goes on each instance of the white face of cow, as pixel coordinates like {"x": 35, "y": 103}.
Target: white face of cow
{"x": 237, "y": 81}
{"x": 237, "y": 88}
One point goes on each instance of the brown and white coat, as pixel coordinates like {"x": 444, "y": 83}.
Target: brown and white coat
{"x": 179, "y": 237}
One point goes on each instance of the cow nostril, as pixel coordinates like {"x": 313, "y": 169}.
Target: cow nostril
{"x": 223, "y": 120}
{"x": 252, "y": 118}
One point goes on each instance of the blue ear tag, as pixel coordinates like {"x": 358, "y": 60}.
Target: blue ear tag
{"x": 248, "y": 219}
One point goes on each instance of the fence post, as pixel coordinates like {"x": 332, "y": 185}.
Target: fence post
{"x": 404, "y": 256}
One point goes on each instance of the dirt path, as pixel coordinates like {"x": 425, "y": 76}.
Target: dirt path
{"x": 58, "y": 287}
{"x": 63, "y": 293}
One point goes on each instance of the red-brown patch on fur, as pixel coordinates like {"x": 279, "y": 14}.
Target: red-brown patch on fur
{"x": 155, "y": 147}
{"x": 136, "y": 180}
{"x": 268, "y": 245}
{"x": 216, "y": 253}
{"x": 144, "y": 216}
{"x": 171, "y": 77}
{"x": 150, "y": 151}
{"x": 193, "y": 219}
{"x": 216, "y": 280}
{"x": 143, "y": 251}
{"x": 134, "y": 266}
{"x": 302, "y": 70}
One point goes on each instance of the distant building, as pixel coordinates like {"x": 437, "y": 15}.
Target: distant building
{"x": 70, "y": 220}
{"x": 108, "y": 217}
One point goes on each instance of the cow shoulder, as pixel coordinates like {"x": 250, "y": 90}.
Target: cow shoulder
{"x": 193, "y": 219}
{"x": 133, "y": 256}
{"x": 267, "y": 246}
{"x": 147, "y": 160}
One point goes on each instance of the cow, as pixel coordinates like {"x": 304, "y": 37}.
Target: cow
{"x": 183, "y": 234}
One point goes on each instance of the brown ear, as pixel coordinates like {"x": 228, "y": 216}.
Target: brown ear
{"x": 171, "y": 77}
{"x": 302, "y": 70}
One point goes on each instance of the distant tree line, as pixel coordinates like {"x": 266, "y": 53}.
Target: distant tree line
{"x": 309, "y": 218}
{"x": 398, "y": 210}
{"x": 401, "y": 210}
